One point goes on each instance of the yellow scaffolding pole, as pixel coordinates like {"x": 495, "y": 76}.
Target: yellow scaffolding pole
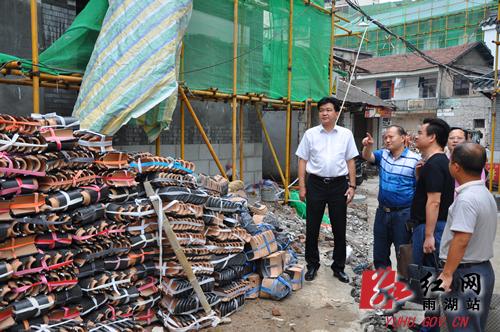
{"x": 241, "y": 141}
{"x": 181, "y": 109}
{"x": 248, "y": 97}
{"x": 34, "y": 55}
{"x": 235, "y": 86}
{"x": 289, "y": 104}
{"x": 158, "y": 145}
{"x": 44, "y": 77}
{"x": 332, "y": 43}
{"x": 494, "y": 109}
{"x": 202, "y": 132}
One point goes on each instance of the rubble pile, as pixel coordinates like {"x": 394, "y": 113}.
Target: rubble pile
{"x": 358, "y": 233}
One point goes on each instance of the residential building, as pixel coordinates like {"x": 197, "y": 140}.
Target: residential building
{"x": 420, "y": 89}
{"x": 428, "y": 24}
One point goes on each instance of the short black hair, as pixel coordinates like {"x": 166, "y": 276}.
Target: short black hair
{"x": 401, "y": 130}
{"x": 471, "y": 157}
{"x": 439, "y": 128}
{"x": 466, "y": 133}
{"x": 329, "y": 100}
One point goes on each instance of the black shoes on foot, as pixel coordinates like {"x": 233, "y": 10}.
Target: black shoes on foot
{"x": 311, "y": 273}
{"x": 341, "y": 275}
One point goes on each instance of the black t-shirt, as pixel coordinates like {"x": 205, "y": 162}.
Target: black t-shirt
{"x": 434, "y": 177}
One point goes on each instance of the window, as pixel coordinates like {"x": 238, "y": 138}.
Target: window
{"x": 479, "y": 123}
{"x": 427, "y": 87}
{"x": 385, "y": 89}
{"x": 460, "y": 86}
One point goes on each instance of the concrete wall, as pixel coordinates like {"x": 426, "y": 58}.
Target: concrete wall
{"x": 276, "y": 127}
{"x": 489, "y": 36}
{"x": 367, "y": 85}
{"x": 408, "y": 88}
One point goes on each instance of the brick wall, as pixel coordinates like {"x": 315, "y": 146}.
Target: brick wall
{"x": 56, "y": 17}
{"x": 216, "y": 121}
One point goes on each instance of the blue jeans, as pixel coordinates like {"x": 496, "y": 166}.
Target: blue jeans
{"x": 389, "y": 228}
{"x": 477, "y": 315}
{"x": 418, "y": 238}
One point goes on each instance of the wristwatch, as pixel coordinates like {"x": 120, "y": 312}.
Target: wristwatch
{"x": 351, "y": 186}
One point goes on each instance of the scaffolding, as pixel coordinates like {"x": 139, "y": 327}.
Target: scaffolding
{"x": 428, "y": 24}
{"x": 291, "y": 101}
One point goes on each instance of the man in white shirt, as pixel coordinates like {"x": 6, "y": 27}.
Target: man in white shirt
{"x": 326, "y": 153}
{"x": 468, "y": 241}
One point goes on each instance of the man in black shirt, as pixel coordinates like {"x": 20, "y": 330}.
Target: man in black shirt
{"x": 434, "y": 192}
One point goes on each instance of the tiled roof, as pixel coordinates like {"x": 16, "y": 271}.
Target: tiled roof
{"x": 490, "y": 20}
{"x": 358, "y": 96}
{"x": 411, "y": 62}
{"x": 484, "y": 84}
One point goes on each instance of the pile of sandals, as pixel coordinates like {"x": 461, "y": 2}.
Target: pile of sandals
{"x": 82, "y": 247}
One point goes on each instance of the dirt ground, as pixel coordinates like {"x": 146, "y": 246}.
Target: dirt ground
{"x": 322, "y": 305}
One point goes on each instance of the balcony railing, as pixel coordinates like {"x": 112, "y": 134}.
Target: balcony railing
{"x": 421, "y": 104}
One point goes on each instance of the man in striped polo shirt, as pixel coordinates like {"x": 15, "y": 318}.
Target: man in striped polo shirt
{"x": 396, "y": 165}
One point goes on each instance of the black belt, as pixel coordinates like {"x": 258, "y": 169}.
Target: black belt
{"x": 393, "y": 209}
{"x": 328, "y": 180}
{"x": 466, "y": 265}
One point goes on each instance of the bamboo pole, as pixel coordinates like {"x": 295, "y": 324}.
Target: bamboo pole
{"x": 181, "y": 108}
{"x": 493, "y": 108}
{"x": 179, "y": 252}
{"x": 34, "y": 55}
{"x": 219, "y": 95}
{"x": 271, "y": 146}
{"x": 202, "y": 132}
{"x": 323, "y": 10}
{"x": 235, "y": 86}
{"x": 332, "y": 49}
{"x": 349, "y": 32}
{"x": 183, "y": 130}
{"x": 158, "y": 145}
{"x": 289, "y": 105}
{"x": 43, "y": 76}
{"x": 241, "y": 141}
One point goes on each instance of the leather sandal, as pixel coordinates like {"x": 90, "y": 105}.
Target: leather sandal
{"x": 112, "y": 160}
{"x": 93, "y": 141}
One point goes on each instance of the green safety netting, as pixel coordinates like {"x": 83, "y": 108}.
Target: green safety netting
{"x": 428, "y": 24}
{"x": 262, "y": 47}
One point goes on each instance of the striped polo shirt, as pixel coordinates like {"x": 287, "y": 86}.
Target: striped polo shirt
{"x": 397, "y": 177}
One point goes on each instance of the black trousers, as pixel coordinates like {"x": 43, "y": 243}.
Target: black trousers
{"x": 318, "y": 195}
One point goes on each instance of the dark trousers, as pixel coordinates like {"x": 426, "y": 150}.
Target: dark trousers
{"x": 389, "y": 228}
{"x": 418, "y": 239}
{"x": 318, "y": 195}
{"x": 470, "y": 304}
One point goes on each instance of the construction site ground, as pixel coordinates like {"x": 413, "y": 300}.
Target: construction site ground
{"x": 324, "y": 304}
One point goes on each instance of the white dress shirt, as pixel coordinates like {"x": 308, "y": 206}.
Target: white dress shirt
{"x": 327, "y": 152}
